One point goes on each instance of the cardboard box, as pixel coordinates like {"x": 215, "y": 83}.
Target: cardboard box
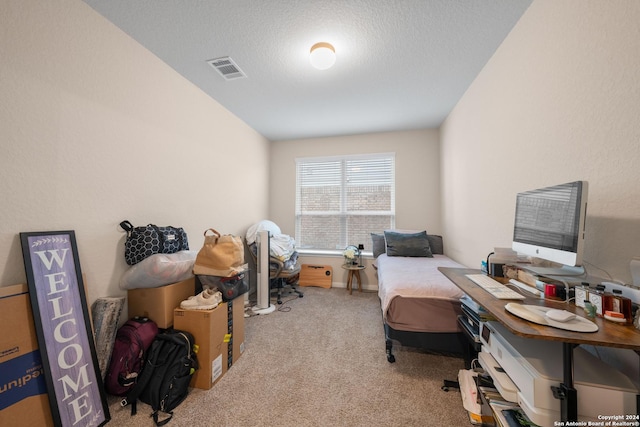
{"x": 208, "y": 328}
{"x": 24, "y": 402}
{"x": 158, "y": 303}
{"x": 219, "y": 335}
{"x": 238, "y": 328}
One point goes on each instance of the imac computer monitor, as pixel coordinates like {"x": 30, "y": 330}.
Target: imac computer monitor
{"x": 549, "y": 224}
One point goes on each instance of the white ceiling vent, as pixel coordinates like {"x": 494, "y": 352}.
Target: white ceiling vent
{"x": 227, "y": 68}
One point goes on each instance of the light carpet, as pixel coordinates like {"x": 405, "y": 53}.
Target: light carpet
{"x": 320, "y": 361}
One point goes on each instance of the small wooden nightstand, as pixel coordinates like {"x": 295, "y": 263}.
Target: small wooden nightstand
{"x": 354, "y": 272}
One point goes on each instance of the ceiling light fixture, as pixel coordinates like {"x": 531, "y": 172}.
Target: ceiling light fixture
{"x": 322, "y": 55}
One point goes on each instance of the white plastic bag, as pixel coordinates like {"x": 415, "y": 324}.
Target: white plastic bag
{"x": 159, "y": 270}
{"x": 469, "y": 391}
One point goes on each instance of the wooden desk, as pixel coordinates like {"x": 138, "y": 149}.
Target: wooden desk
{"x": 609, "y": 334}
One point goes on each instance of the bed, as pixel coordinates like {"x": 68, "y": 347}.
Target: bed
{"x": 420, "y": 306}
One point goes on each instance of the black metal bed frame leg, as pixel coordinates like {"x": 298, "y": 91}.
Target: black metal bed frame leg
{"x": 389, "y": 345}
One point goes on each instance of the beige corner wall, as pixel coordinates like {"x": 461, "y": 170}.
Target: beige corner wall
{"x": 95, "y": 129}
{"x": 417, "y": 183}
{"x": 559, "y": 101}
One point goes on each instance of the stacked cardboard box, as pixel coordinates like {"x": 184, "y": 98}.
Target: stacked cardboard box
{"x": 158, "y": 303}
{"x": 219, "y": 335}
{"x": 24, "y": 399}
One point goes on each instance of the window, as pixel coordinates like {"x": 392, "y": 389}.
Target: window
{"x": 341, "y": 200}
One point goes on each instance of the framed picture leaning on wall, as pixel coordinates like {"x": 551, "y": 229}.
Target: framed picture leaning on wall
{"x": 57, "y": 294}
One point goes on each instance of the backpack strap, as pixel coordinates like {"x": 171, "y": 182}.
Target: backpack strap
{"x": 147, "y": 372}
{"x": 163, "y": 422}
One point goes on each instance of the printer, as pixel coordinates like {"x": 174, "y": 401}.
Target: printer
{"x": 525, "y": 369}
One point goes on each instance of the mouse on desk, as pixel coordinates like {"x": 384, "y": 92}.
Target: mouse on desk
{"x": 523, "y": 312}
{"x": 560, "y": 315}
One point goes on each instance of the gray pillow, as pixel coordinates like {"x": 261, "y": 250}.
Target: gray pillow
{"x": 379, "y": 246}
{"x": 435, "y": 242}
{"x": 407, "y": 244}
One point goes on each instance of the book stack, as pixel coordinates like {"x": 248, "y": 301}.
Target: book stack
{"x": 495, "y": 409}
{"x": 510, "y": 416}
{"x": 505, "y": 414}
{"x": 475, "y": 311}
{"x": 471, "y": 382}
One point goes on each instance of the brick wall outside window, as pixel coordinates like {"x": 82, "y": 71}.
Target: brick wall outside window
{"x": 335, "y": 213}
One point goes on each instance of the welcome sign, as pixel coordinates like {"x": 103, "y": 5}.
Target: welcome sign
{"x": 75, "y": 389}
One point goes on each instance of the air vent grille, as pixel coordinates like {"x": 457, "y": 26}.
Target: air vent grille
{"x": 227, "y": 68}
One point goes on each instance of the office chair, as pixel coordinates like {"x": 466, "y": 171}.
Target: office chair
{"x": 282, "y": 274}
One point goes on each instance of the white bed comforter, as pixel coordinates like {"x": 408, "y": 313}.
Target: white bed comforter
{"x": 414, "y": 277}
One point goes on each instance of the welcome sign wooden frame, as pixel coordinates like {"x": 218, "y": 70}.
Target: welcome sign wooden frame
{"x": 56, "y": 290}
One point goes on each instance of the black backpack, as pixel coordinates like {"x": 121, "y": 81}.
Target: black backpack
{"x": 164, "y": 382}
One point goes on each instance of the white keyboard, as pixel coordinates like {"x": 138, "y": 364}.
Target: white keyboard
{"x": 495, "y": 288}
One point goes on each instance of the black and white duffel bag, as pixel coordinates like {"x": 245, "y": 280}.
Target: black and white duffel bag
{"x": 142, "y": 242}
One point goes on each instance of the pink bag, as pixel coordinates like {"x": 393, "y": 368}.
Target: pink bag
{"x": 129, "y": 354}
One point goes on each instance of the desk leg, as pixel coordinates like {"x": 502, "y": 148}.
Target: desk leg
{"x": 567, "y": 394}
{"x": 637, "y": 395}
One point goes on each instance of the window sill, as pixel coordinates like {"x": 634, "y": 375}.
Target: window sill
{"x": 328, "y": 253}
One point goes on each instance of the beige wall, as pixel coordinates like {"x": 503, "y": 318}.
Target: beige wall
{"x": 559, "y": 101}
{"x": 417, "y": 182}
{"x": 95, "y": 129}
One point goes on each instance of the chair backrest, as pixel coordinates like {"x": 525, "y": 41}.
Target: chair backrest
{"x": 276, "y": 266}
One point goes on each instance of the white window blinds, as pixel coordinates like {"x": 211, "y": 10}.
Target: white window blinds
{"x": 341, "y": 200}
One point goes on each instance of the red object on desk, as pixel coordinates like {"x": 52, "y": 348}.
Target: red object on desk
{"x": 549, "y": 291}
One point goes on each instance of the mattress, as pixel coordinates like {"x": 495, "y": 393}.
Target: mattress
{"x": 415, "y": 296}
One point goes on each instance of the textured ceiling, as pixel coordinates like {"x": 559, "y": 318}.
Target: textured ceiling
{"x": 401, "y": 64}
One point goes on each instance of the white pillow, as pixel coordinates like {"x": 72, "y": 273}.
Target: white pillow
{"x": 159, "y": 270}
{"x": 265, "y": 224}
